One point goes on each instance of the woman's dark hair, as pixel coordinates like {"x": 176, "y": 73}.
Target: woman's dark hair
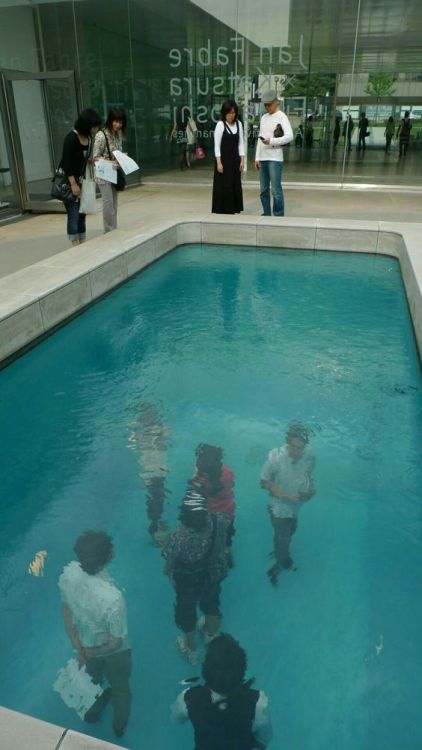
{"x": 88, "y": 119}
{"x": 224, "y": 665}
{"x": 116, "y": 113}
{"x": 193, "y": 511}
{"x": 227, "y": 107}
{"x": 391, "y": 119}
{"x": 94, "y": 550}
{"x": 209, "y": 463}
{"x": 182, "y": 117}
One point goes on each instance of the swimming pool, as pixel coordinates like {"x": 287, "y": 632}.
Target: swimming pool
{"x": 230, "y": 345}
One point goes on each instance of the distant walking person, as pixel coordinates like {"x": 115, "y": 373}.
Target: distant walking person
{"x": 389, "y": 134}
{"x": 348, "y": 128}
{"x": 363, "y": 132}
{"x": 196, "y": 565}
{"x": 226, "y": 712}
{"x": 106, "y": 141}
{"x": 336, "y": 132}
{"x": 94, "y": 612}
{"x": 309, "y": 132}
{"x": 275, "y": 132}
{"x": 191, "y": 139}
{"x": 229, "y": 150}
{"x": 403, "y": 134}
{"x": 287, "y": 476}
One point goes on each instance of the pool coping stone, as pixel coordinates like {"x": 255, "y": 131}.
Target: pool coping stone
{"x": 22, "y": 732}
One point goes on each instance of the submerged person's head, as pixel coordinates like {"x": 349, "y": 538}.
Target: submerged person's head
{"x": 208, "y": 458}
{"x": 224, "y": 665}
{"x": 193, "y": 511}
{"x": 94, "y": 550}
{"x": 297, "y": 437}
{"x": 209, "y": 463}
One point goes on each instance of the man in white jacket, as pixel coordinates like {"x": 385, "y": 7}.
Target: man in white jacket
{"x": 275, "y": 132}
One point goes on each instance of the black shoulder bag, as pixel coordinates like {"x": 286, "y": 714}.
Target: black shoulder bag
{"x": 121, "y": 179}
{"x": 61, "y": 189}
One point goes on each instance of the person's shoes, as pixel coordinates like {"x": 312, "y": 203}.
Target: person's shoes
{"x": 191, "y": 656}
{"x": 119, "y": 731}
{"x": 206, "y": 636}
{"x": 94, "y": 714}
{"x": 273, "y": 573}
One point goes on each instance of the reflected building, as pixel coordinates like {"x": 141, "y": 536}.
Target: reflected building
{"x": 325, "y": 59}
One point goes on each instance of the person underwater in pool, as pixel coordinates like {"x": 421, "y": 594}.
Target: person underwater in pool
{"x": 216, "y": 481}
{"x": 225, "y": 712}
{"x": 287, "y": 477}
{"x": 150, "y": 436}
{"x": 94, "y": 612}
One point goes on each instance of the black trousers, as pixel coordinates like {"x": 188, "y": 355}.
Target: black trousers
{"x": 194, "y": 591}
{"x": 284, "y": 528}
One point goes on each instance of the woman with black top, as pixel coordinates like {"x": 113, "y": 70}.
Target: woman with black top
{"x": 77, "y": 148}
{"x": 196, "y": 565}
{"x": 229, "y": 152}
{"x": 225, "y": 712}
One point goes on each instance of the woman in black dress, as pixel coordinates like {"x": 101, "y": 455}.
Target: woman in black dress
{"x": 229, "y": 155}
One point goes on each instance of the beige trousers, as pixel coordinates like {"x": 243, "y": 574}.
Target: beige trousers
{"x": 109, "y": 196}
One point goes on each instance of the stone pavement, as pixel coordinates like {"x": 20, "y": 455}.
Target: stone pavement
{"x": 35, "y": 238}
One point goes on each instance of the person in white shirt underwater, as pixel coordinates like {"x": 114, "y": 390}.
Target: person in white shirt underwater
{"x": 287, "y": 476}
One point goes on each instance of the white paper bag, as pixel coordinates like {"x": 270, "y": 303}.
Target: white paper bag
{"x": 76, "y": 688}
{"x": 88, "y": 201}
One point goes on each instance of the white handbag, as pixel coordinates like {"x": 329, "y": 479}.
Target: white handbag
{"x": 88, "y": 201}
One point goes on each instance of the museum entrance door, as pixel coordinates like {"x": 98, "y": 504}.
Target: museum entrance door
{"x": 38, "y": 109}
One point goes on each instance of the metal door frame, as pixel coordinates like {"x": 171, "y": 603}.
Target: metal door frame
{"x": 11, "y": 128}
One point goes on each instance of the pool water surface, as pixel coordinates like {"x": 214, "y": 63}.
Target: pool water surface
{"x": 229, "y": 346}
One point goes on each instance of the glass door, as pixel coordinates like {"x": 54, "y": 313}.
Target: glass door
{"x": 38, "y": 110}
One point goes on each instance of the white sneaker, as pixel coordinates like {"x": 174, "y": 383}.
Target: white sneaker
{"x": 206, "y": 636}
{"x": 191, "y": 656}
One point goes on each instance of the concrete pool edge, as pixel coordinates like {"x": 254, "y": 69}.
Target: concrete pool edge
{"x": 24, "y": 732}
{"x": 37, "y": 299}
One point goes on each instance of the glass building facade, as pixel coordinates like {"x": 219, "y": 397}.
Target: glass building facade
{"x": 326, "y": 59}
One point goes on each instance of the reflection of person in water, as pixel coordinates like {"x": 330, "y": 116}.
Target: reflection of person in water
{"x": 226, "y": 713}
{"x": 216, "y": 481}
{"x": 196, "y": 564}
{"x": 151, "y": 436}
{"x": 287, "y": 475}
{"x": 94, "y": 612}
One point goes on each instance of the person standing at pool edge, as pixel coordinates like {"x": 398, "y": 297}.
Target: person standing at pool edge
{"x": 275, "y": 132}
{"x": 287, "y": 476}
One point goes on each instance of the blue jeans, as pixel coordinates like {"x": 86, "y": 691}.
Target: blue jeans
{"x": 76, "y": 229}
{"x": 270, "y": 172}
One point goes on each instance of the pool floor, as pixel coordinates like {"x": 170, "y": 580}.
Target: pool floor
{"x": 229, "y": 346}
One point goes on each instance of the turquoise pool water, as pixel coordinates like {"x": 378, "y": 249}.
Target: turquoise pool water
{"x": 230, "y": 345}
